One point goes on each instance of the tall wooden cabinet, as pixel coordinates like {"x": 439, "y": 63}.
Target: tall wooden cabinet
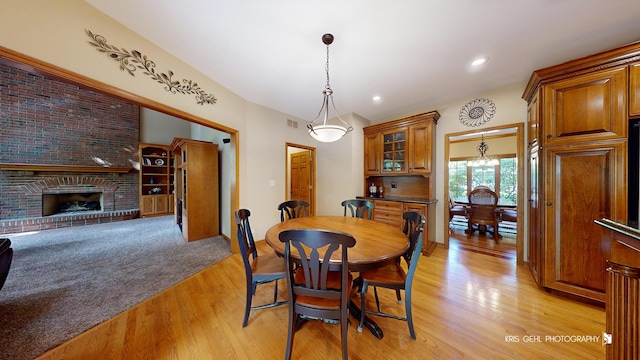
{"x": 196, "y": 188}
{"x": 577, "y": 153}
{"x": 155, "y": 180}
{"x": 399, "y": 157}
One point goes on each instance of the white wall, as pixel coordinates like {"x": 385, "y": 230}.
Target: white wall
{"x": 160, "y": 128}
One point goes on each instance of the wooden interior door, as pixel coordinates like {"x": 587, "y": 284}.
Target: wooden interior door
{"x": 300, "y": 180}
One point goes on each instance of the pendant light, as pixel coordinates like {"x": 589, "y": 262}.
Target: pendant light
{"x": 326, "y": 132}
{"x": 483, "y": 159}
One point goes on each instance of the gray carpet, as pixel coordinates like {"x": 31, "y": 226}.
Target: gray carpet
{"x": 65, "y": 281}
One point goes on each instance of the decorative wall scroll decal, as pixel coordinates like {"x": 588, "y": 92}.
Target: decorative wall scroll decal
{"x": 130, "y": 61}
{"x": 477, "y": 112}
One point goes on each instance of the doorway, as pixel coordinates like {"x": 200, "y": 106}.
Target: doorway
{"x": 300, "y": 168}
{"x": 474, "y": 136}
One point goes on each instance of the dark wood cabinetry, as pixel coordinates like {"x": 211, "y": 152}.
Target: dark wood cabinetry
{"x": 155, "y": 180}
{"x": 578, "y": 124}
{"x": 196, "y": 188}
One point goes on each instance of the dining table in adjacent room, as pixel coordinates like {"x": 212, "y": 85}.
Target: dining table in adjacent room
{"x": 377, "y": 244}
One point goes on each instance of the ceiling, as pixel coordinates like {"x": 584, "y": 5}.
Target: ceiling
{"x": 412, "y": 53}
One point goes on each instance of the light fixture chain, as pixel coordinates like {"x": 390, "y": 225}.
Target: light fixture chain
{"x": 327, "y": 69}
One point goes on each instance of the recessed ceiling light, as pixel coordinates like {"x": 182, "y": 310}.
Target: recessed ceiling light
{"x": 376, "y": 99}
{"x": 479, "y": 61}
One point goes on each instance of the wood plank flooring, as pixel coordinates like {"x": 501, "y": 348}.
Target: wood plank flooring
{"x": 466, "y": 305}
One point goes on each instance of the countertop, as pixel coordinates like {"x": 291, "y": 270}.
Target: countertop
{"x": 629, "y": 228}
{"x": 400, "y": 199}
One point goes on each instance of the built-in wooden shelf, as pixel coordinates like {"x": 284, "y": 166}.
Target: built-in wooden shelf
{"x": 65, "y": 168}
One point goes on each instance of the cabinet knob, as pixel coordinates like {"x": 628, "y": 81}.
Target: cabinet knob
{"x": 549, "y": 136}
{"x": 549, "y": 203}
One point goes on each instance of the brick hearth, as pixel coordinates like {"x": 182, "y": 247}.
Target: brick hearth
{"x": 61, "y": 221}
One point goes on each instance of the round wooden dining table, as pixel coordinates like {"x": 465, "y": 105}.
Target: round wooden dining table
{"x": 377, "y": 243}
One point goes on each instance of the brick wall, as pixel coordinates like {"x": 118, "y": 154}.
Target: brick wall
{"x": 49, "y": 122}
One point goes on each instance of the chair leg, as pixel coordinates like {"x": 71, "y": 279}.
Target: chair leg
{"x": 293, "y": 320}
{"x": 247, "y": 308}
{"x": 344, "y": 326}
{"x": 363, "y": 295}
{"x": 275, "y": 292}
{"x": 408, "y": 312}
{"x": 375, "y": 292}
{"x": 398, "y": 296}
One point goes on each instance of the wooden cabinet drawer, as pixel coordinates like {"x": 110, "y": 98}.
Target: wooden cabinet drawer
{"x": 389, "y": 212}
{"x": 391, "y": 206}
{"x": 388, "y": 217}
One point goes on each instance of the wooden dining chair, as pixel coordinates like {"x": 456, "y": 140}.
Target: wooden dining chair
{"x": 393, "y": 276}
{"x": 293, "y": 209}
{"x": 259, "y": 269}
{"x": 482, "y": 211}
{"x": 318, "y": 288}
{"x": 359, "y": 208}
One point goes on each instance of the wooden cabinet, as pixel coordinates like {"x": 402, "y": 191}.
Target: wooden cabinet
{"x": 586, "y": 108}
{"x": 533, "y": 109}
{"x": 621, "y": 246}
{"x": 428, "y": 230}
{"x": 372, "y": 153}
{"x": 421, "y": 156}
{"x": 394, "y": 147}
{"x": 535, "y": 213}
{"x": 578, "y": 125}
{"x": 155, "y": 180}
{"x": 389, "y": 212}
{"x": 634, "y": 90}
{"x": 196, "y": 188}
{"x": 401, "y": 147}
{"x": 587, "y": 182}
{"x": 155, "y": 204}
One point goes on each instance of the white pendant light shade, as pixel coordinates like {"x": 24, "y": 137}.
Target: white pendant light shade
{"x": 326, "y": 132}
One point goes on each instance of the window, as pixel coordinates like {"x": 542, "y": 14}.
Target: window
{"x": 463, "y": 178}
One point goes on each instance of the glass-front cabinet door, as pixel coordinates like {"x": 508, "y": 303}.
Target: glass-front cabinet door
{"x": 394, "y": 152}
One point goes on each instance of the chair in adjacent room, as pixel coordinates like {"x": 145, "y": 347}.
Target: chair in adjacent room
{"x": 456, "y": 210}
{"x": 359, "y": 208}
{"x": 482, "y": 211}
{"x": 293, "y": 209}
{"x": 6, "y": 256}
{"x": 394, "y": 277}
{"x": 259, "y": 269}
{"x": 318, "y": 288}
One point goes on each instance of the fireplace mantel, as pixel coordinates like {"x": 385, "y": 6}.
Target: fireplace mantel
{"x": 65, "y": 168}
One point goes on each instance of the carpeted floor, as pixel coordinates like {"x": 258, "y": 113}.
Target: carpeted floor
{"x": 65, "y": 281}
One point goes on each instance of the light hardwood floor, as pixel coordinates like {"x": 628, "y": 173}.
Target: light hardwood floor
{"x": 467, "y": 305}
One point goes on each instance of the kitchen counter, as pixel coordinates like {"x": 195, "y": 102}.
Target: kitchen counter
{"x": 621, "y": 249}
{"x": 400, "y": 199}
{"x": 628, "y": 228}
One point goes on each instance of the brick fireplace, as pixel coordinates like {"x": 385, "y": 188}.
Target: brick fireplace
{"x": 53, "y": 135}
